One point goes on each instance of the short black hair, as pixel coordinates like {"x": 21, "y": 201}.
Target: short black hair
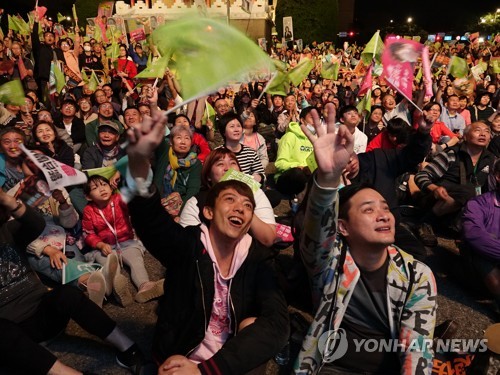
{"x": 306, "y": 111}
{"x": 346, "y": 109}
{"x": 345, "y": 195}
{"x": 94, "y": 179}
{"x": 240, "y": 187}
{"x": 400, "y": 129}
{"x": 226, "y": 119}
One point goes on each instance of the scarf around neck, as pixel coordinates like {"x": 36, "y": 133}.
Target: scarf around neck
{"x": 170, "y": 177}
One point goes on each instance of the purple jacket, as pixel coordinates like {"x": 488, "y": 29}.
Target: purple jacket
{"x": 481, "y": 224}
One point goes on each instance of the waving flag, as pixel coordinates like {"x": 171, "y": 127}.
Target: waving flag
{"x": 154, "y": 70}
{"x": 426, "y": 65}
{"x": 12, "y": 93}
{"x": 458, "y": 67}
{"x": 366, "y": 83}
{"x": 330, "y": 70}
{"x": 399, "y": 58}
{"x": 373, "y": 49}
{"x": 301, "y": 71}
{"x": 208, "y": 53}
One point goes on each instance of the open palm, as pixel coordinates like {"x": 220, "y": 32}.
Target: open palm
{"x": 332, "y": 148}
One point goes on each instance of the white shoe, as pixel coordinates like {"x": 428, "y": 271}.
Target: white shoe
{"x": 110, "y": 269}
{"x": 96, "y": 287}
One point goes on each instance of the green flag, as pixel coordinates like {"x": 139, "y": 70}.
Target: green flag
{"x": 12, "y": 93}
{"x": 113, "y": 50}
{"x": 74, "y": 269}
{"x": 330, "y": 70}
{"x": 365, "y": 104}
{"x": 278, "y": 85}
{"x": 85, "y": 77}
{"x": 97, "y": 33}
{"x": 75, "y": 16}
{"x": 208, "y": 114}
{"x": 93, "y": 81}
{"x": 208, "y": 53}
{"x": 155, "y": 70}
{"x": 107, "y": 172}
{"x": 60, "y": 17}
{"x": 21, "y": 25}
{"x": 418, "y": 76}
{"x": 495, "y": 64}
{"x": 458, "y": 67}
{"x": 301, "y": 71}
{"x": 60, "y": 79}
{"x": 12, "y": 23}
{"x": 373, "y": 49}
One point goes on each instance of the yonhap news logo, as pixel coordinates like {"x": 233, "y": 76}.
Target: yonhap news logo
{"x": 334, "y": 345}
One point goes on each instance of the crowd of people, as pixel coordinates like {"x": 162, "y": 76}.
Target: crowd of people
{"x": 350, "y": 177}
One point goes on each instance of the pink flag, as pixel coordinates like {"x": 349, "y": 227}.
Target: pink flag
{"x": 22, "y": 68}
{"x": 427, "y": 72}
{"x": 399, "y": 58}
{"x": 40, "y": 11}
{"x": 366, "y": 84}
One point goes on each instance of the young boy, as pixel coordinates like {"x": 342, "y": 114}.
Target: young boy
{"x": 223, "y": 312}
{"x": 107, "y": 229}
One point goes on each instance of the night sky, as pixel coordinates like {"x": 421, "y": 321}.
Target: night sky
{"x": 431, "y": 15}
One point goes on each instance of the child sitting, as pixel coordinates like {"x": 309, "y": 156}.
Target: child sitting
{"x": 107, "y": 229}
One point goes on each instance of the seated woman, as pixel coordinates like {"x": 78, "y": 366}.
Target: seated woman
{"x": 251, "y": 138}
{"x": 218, "y": 162}
{"x": 442, "y": 136}
{"x": 231, "y": 129}
{"x": 374, "y": 125}
{"x": 394, "y": 136}
{"x": 177, "y": 170}
{"x": 199, "y": 141}
{"x": 45, "y": 134}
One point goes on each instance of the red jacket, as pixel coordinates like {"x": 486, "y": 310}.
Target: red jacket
{"x": 202, "y": 145}
{"x": 95, "y": 228}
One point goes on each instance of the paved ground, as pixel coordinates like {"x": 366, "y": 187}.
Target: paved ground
{"x": 473, "y": 314}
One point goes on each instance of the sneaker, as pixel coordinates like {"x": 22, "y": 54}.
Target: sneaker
{"x": 96, "y": 287}
{"x": 109, "y": 271}
{"x": 427, "y": 236}
{"x": 121, "y": 291}
{"x": 149, "y": 291}
{"x": 131, "y": 359}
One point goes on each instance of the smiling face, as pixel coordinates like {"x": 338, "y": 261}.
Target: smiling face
{"x": 10, "y": 144}
{"x": 221, "y": 166}
{"x": 45, "y": 134}
{"x": 369, "y": 223}
{"x": 376, "y": 115}
{"x": 233, "y": 130}
{"x": 389, "y": 102}
{"x": 181, "y": 143}
{"x": 133, "y": 117}
{"x": 231, "y": 215}
{"x": 108, "y": 137}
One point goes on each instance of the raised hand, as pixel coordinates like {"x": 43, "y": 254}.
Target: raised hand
{"x": 143, "y": 141}
{"x": 332, "y": 148}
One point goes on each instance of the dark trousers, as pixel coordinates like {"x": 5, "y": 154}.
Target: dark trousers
{"x": 292, "y": 182}
{"x": 19, "y": 346}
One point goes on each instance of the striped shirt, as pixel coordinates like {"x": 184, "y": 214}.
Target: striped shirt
{"x": 435, "y": 169}
{"x": 249, "y": 161}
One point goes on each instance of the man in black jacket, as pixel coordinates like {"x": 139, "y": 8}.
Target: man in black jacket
{"x": 222, "y": 312}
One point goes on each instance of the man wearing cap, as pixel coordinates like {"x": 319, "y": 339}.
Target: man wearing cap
{"x": 105, "y": 113}
{"x": 481, "y": 233}
{"x": 106, "y": 151}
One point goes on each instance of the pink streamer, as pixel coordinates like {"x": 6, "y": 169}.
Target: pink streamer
{"x": 427, "y": 72}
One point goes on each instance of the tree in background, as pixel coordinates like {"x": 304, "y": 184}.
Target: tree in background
{"x": 312, "y": 20}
